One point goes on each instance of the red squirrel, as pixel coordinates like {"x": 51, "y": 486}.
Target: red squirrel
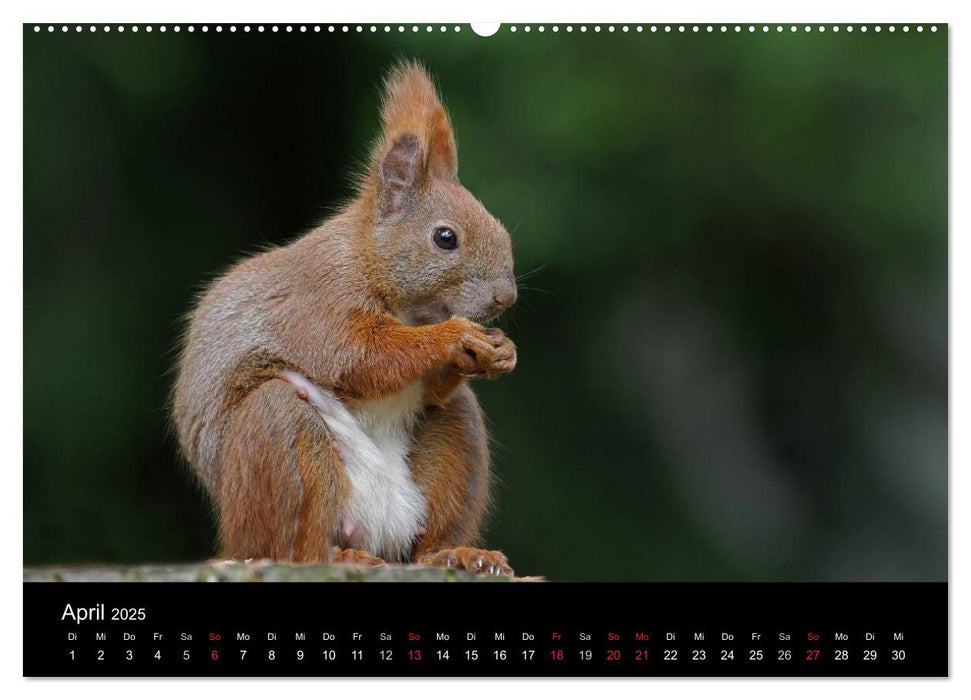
{"x": 322, "y": 393}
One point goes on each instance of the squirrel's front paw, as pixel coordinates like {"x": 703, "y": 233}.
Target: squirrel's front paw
{"x": 355, "y": 557}
{"x": 480, "y": 561}
{"x": 485, "y": 352}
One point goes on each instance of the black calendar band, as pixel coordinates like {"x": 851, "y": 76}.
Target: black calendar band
{"x": 485, "y": 629}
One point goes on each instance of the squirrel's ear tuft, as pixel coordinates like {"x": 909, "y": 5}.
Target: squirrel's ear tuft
{"x": 414, "y": 120}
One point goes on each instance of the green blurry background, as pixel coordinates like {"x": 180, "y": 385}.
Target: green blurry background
{"x": 733, "y": 351}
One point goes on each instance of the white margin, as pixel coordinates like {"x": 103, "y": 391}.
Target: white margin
{"x": 508, "y": 11}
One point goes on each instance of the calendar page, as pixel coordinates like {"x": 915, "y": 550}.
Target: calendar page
{"x": 410, "y": 349}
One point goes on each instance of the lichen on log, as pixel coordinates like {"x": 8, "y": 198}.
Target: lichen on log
{"x": 255, "y": 571}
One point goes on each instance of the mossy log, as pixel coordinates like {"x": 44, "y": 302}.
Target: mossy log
{"x": 255, "y": 571}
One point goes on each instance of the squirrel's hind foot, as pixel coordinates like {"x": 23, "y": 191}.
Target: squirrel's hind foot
{"x": 356, "y": 557}
{"x": 479, "y": 561}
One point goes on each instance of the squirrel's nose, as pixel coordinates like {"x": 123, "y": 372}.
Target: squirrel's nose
{"x": 504, "y": 296}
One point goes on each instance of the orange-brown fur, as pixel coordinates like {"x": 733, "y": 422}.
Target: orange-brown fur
{"x": 451, "y": 464}
{"x": 362, "y": 306}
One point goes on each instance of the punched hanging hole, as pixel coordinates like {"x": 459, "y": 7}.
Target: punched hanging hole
{"x": 485, "y": 28}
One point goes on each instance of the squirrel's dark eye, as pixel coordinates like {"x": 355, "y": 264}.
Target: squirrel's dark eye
{"x": 445, "y": 238}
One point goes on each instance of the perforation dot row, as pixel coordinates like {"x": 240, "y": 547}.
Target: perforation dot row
{"x": 303, "y": 28}
{"x": 414, "y": 28}
{"x": 725, "y": 28}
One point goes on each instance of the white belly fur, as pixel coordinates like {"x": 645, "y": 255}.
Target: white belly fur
{"x": 385, "y": 506}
